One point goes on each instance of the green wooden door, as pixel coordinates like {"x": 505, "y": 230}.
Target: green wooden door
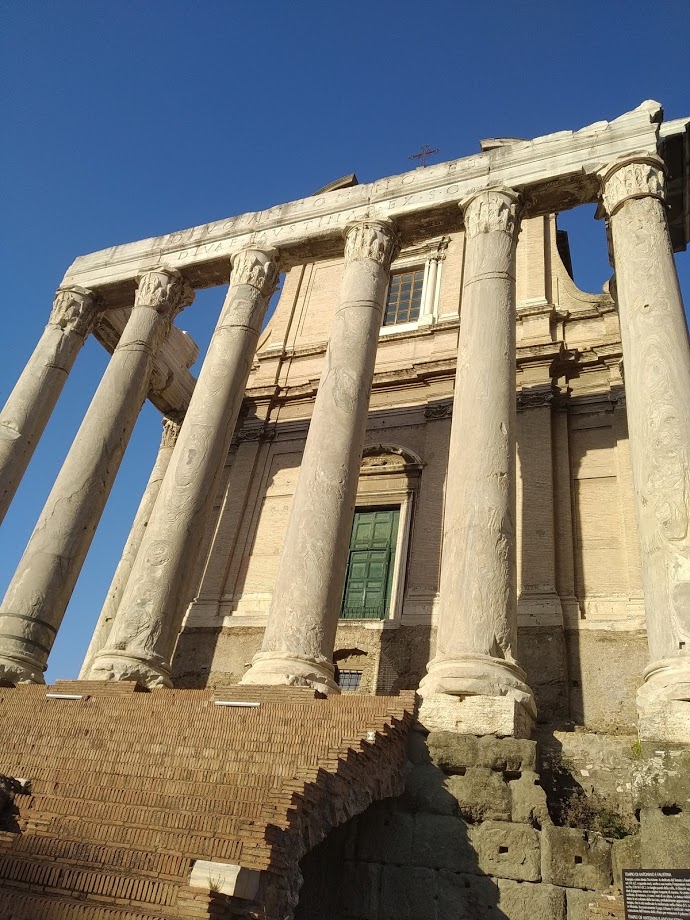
{"x": 371, "y": 559}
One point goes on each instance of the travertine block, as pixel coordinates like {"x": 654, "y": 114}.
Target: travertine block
{"x": 502, "y": 716}
{"x": 575, "y": 859}
{"x": 527, "y": 901}
{"x": 507, "y": 851}
{"x": 481, "y": 794}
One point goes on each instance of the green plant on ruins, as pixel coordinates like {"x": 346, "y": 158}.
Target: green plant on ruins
{"x": 571, "y": 806}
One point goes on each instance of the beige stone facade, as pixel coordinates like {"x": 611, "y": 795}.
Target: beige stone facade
{"x": 580, "y": 596}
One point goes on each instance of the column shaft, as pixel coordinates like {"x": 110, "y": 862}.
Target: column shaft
{"x": 31, "y": 402}
{"x": 300, "y": 633}
{"x": 144, "y": 632}
{"x": 656, "y": 357}
{"x": 477, "y": 628}
{"x": 171, "y": 429}
{"x": 40, "y": 589}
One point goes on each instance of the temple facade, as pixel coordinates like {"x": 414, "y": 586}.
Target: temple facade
{"x": 439, "y": 466}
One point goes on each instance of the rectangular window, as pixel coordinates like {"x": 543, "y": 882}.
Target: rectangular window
{"x": 370, "y": 564}
{"x": 404, "y": 297}
{"x": 349, "y": 680}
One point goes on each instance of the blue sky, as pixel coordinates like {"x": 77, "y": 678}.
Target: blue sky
{"x": 129, "y": 120}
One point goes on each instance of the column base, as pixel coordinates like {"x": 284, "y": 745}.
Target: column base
{"x": 21, "y": 671}
{"x": 111, "y": 666}
{"x": 663, "y": 701}
{"x": 477, "y": 695}
{"x": 291, "y": 671}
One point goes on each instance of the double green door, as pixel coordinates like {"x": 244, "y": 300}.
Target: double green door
{"x": 370, "y": 564}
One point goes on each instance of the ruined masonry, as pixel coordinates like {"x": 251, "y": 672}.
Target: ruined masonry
{"x": 401, "y": 630}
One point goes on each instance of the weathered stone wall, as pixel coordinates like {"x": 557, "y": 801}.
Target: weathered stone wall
{"x": 470, "y": 839}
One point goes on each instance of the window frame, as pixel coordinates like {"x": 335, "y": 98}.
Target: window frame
{"x": 414, "y": 259}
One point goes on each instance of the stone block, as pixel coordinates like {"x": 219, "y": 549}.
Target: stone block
{"x": 507, "y": 850}
{"x": 385, "y": 836}
{"x": 507, "y": 754}
{"x": 481, "y": 794}
{"x": 425, "y": 791}
{"x": 454, "y": 752}
{"x": 665, "y": 837}
{"x": 530, "y": 901}
{"x": 501, "y": 716}
{"x": 662, "y": 777}
{"x": 528, "y": 801}
{"x": 465, "y": 897}
{"x": 441, "y": 842}
{"x": 669, "y": 722}
{"x": 408, "y": 894}
{"x": 625, "y": 854}
{"x": 361, "y": 883}
{"x": 575, "y": 859}
{"x": 577, "y": 903}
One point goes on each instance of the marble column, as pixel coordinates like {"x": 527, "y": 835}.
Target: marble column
{"x": 30, "y": 404}
{"x": 39, "y": 592}
{"x": 171, "y": 429}
{"x": 298, "y": 642}
{"x": 143, "y": 635}
{"x": 473, "y": 683}
{"x": 656, "y": 358}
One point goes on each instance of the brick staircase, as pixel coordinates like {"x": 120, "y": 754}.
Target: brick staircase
{"x": 128, "y": 790}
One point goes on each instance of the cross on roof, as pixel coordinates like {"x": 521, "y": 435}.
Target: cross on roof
{"x": 426, "y": 151}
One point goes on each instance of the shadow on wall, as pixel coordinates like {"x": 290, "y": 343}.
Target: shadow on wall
{"x": 391, "y": 864}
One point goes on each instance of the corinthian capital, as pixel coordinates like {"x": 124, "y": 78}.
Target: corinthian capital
{"x": 372, "y": 239}
{"x": 171, "y": 429}
{"x": 258, "y": 268}
{"x": 74, "y": 310}
{"x": 164, "y": 290}
{"x": 491, "y": 210}
{"x": 633, "y": 177}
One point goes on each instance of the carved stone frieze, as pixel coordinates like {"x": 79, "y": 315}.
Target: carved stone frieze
{"x": 539, "y": 397}
{"x": 74, "y": 310}
{"x": 490, "y": 211}
{"x": 376, "y": 240}
{"x": 632, "y": 178}
{"x": 258, "y": 268}
{"x": 438, "y": 411}
{"x": 164, "y": 290}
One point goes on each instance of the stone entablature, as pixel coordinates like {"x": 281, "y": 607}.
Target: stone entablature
{"x": 553, "y": 172}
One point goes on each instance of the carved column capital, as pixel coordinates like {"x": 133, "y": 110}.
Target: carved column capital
{"x": 74, "y": 310}
{"x": 491, "y": 210}
{"x": 632, "y": 177}
{"x": 164, "y": 290}
{"x": 257, "y": 267}
{"x": 377, "y": 240}
{"x": 171, "y": 429}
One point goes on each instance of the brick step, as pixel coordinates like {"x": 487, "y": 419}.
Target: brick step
{"x": 142, "y": 768}
{"x": 32, "y": 873}
{"x": 194, "y": 846}
{"x": 118, "y": 788}
{"x": 18, "y": 905}
{"x": 172, "y": 867}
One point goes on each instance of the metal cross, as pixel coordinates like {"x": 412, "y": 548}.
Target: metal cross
{"x": 425, "y": 152}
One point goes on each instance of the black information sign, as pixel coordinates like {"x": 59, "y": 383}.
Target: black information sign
{"x": 656, "y": 894}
